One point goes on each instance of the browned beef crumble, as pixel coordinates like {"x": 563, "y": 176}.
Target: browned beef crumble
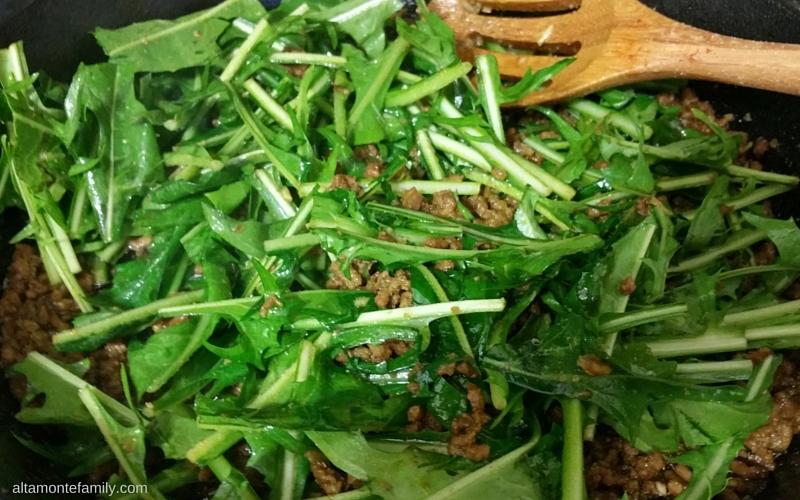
{"x": 420, "y": 420}
{"x": 358, "y": 269}
{"x": 627, "y": 286}
{"x": 296, "y": 70}
{"x": 465, "y": 429}
{"x": 490, "y": 208}
{"x": 331, "y": 480}
{"x": 238, "y": 456}
{"x": 376, "y": 353}
{"x": 32, "y": 311}
{"x": 391, "y": 291}
{"x": 444, "y": 243}
{"x": 461, "y": 367}
{"x": 765, "y": 253}
{"x": 442, "y": 204}
{"x": 372, "y": 156}
{"x": 514, "y": 140}
{"x": 613, "y": 466}
{"x": 272, "y": 301}
{"x": 342, "y": 181}
{"x": 593, "y": 366}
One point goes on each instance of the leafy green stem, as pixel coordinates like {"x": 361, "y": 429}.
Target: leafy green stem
{"x": 572, "y": 481}
{"x": 618, "y": 120}
{"x": 641, "y": 317}
{"x": 308, "y": 58}
{"x": 427, "y": 86}
{"x": 739, "y": 241}
{"x": 63, "y": 340}
{"x": 268, "y": 104}
{"x": 442, "y": 296}
{"x": 459, "y": 149}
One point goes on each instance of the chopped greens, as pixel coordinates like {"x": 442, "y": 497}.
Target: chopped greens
{"x": 320, "y": 240}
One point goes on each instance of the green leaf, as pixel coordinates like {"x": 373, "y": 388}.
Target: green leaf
{"x": 432, "y": 40}
{"x": 129, "y": 155}
{"x": 363, "y": 20}
{"x": 161, "y": 45}
{"x": 710, "y": 466}
{"x": 247, "y": 236}
{"x": 60, "y": 387}
{"x": 127, "y": 442}
{"x": 371, "y": 80}
{"x": 783, "y": 233}
{"x": 708, "y": 220}
{"x": 417, "y": 474}
{"x": 137, "y": 282}
{"x": 175, "y": 431}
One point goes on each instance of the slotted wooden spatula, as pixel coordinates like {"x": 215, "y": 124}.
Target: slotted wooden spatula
{"x": 618, "y": 42}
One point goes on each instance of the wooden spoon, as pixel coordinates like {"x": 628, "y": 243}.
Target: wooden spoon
{"x": 618, "y": 42}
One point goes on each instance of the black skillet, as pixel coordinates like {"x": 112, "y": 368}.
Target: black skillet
{"x": 56, "y": 39}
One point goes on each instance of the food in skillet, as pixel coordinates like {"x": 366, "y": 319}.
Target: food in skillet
{"x": 300, "y": 253}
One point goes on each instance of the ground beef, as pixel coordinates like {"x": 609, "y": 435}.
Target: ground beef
{"x": 238, "y": 456}
{"x": 140, "y": 246}
{"x": 465, "y": 429}
{"x": 104, "y": 369}
{"x": 594, "y": 366}
{"x": 272, "y": 301}
{"x": 376, "y": 353}
{"x": 391, "y": 291}
{"x": 443, "y": 204}
{"x": 444, "y": 265}
{"x": 461, "y": 367}
{"x": 162, "y": 323}
{"x": 514, "y": 140}
{"x": 296, "y": 70}
{"x": 613, "y": 466}
{"x": 444, "y": 243}
{"x": 420, "y": 420}
{"x": 643, "y": 206}
{"x": 687, "y": 100}
{"x": 627, "y": 286}
{"x": 332, "y": 480}
{"x": 358, "y": 270}
{"x": 373, "y": 170}
{"x": 32, "y": 311}
{"x": 763, "y": 446}
{"x": 384, "y": 236}
{"x": 342, "y": 181}
{"x": 490, "y": 209}
{"x": 765, "y": 253}
{"x": 368, "y": 153}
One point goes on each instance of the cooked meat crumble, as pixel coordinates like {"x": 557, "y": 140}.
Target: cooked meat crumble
{"x": 342, "y": 181}
{"x": 465, "y": 429}
{"x": 490, "y": 209}
{"x": 338, "y": 281}
{"x": 614, "y": 466}
{"x": 391, "y": 291}
{"x": 443, "y": 203}
{"x": 372, "y": 353}
{"x": 32, "y": 311}
{"x": 332, "y": 480}
{"x": 419, "y": 420}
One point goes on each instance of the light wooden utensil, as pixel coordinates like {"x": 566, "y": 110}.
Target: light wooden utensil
{"x": 618, "y": 42}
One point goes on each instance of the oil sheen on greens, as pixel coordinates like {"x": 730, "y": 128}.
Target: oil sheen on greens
{"x": 215, "y": 136}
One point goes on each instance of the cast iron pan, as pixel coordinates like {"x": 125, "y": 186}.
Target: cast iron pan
{"x": 56, "y": 39}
